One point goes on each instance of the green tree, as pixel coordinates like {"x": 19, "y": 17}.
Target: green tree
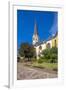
{"x": 50, "y": 55}
{"x": 26, "y": 50}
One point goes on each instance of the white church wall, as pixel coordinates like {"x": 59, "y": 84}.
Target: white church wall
{"x": 38, "y": 51}
{"x": 43, "y": 46}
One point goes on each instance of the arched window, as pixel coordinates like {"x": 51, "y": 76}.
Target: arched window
{"x": 48, "y": 45}
{"x": 40, "y": 47}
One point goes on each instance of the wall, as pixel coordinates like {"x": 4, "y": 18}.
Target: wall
{"x": 53, "y": 41}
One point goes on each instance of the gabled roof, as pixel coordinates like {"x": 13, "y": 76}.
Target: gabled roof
{"x": 44, "y": 41}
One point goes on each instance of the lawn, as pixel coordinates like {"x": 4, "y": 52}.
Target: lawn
{"x": 52, "y": 66}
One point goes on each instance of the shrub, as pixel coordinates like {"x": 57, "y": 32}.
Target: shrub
{"x": 54, "y": 50}
{"x": 50, "y": 55}
{"x": 54, "y": 58}
{"x": 40, "y": 61}
{"x": 33, "y": 59}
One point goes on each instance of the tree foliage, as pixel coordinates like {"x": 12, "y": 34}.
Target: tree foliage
{"x": 26, "y": 50}
{"x": 50, "y": 55}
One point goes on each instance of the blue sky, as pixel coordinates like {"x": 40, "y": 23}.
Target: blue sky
{"x": 46, "y": 23}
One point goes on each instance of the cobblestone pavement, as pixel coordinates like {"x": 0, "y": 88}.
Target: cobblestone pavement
{"x": 24, "y": 72}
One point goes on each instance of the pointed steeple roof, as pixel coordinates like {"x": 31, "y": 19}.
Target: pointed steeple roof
{"x": 35, "y": 29}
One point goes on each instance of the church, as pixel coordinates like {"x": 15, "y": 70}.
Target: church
{"x": 41, "y": 45}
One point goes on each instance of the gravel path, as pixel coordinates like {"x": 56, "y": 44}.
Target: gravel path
{"x": 24, "y": 72}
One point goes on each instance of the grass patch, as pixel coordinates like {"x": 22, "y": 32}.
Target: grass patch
{"x": 52, "y": 66}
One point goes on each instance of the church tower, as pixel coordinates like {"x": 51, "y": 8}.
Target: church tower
{"x": 35, "y": 35}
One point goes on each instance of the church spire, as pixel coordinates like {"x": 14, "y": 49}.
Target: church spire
{"x": 35, "y": 29}
{"x": 35, "y": 35}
